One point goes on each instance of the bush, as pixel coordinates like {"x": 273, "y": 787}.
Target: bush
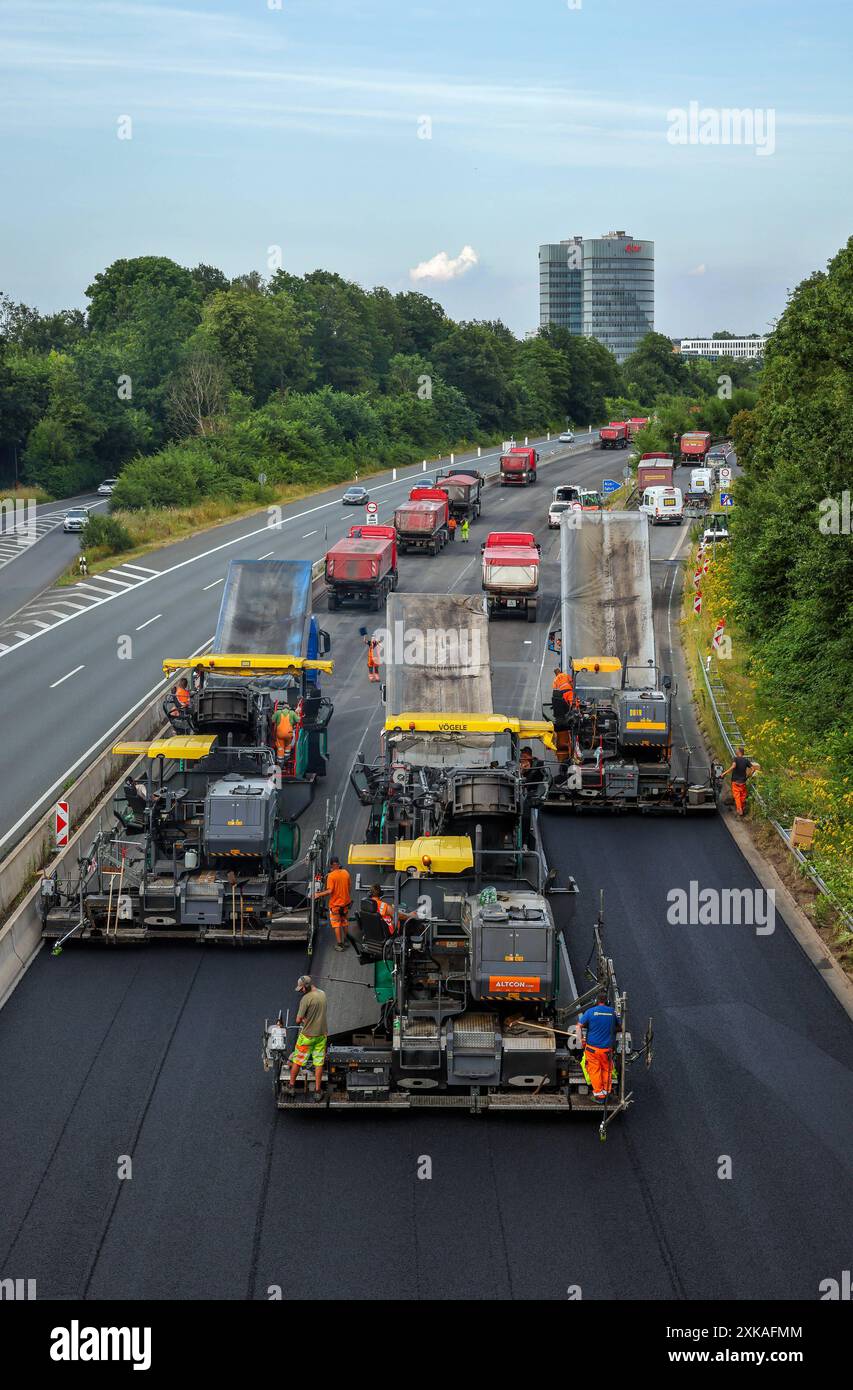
{"x": 107, "y": 534}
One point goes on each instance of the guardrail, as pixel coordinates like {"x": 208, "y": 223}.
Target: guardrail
{"x": 733, "y": 738}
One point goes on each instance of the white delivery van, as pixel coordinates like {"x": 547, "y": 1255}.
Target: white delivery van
{"x": 662, "y": 505}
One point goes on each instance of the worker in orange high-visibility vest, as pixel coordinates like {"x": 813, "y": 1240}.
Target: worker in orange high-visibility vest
{"x": 283, "y": 730}
{"x": 372, "y": 644}
{"x": 182, "y": 693}
{"x": 385, "y": 909}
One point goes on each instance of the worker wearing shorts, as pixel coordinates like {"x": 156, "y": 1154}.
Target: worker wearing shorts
{"x": 338, "y": 890}
{"x": 312, "y": 1037}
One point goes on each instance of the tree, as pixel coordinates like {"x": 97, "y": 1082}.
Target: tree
{"x": 791, "y": 561}
{"x": 653, "y": 369}
{"x": 197, "y": 393}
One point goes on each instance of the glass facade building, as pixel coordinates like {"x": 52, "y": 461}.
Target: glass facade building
{"x": 602, "y": 287}
{"x": 561, "y": 284}
{"x": 618, "y": 291}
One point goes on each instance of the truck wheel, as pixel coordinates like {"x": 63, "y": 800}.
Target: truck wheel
{"x": 395, "y": 579}
{"x": 531, "y": 612}
{"x": 333, "y": 603}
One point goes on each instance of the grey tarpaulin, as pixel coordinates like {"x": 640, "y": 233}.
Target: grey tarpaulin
{"x": 606, "y": 587}
{"x": 435, "y": 656}
{"x": 265, "y": 609}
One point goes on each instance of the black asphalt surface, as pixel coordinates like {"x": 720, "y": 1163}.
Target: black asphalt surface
{"x": 155, "y": 1053}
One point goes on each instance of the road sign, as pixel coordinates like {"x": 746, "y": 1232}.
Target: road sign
{"x": 372, "y": 519}
{"x": 725, "y": 475}
{"x": 610, "y": 485}
{"x": 726, "y": 499}
{"x": 697, "y": 604}
{"x": 371, "y": 508}
{"x": 60, "y": 824}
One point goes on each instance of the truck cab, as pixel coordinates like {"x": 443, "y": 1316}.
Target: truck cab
{"x": 518, "y": 467}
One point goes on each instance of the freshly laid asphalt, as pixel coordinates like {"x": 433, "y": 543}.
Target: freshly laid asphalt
{"x": 155, "y": 1053}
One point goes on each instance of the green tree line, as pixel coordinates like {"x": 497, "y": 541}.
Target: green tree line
{"x": 189, "y": 385}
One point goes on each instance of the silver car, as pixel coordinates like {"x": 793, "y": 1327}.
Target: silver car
{"x": 76, "y": 519}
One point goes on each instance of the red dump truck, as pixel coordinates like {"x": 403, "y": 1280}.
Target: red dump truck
{"x": 654, "y": 470}
{"x": 511, "y": 573}
{"x": 637, "y": 423}
{"x": 362, "y": 568}
{"x": 463, "y": 493}
{"x": 518, "y": 467}
{"x": 421, "y": 523}
{"x": 614, "y": 435}
{"x": 694, "y": 446}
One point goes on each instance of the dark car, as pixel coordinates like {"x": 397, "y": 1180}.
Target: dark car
{"x": 355, "y": 496}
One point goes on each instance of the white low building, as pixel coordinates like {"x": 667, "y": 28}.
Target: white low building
{"x": 723, "y": 347}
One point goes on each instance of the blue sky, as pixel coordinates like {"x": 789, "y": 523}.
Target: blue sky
{"x": 255, "y": 127}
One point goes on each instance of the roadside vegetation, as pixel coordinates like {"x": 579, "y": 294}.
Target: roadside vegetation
{"x": 785, "y": 585}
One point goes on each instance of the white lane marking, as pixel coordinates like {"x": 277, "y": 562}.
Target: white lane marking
{"x": 214, "y": 584}
{"x": 225, "y": 545}
{"x": 27, "y": 635}
{"x": 105, "y": 579}
{"x": 309, "y": 533}
{"x": 68, "y": 677}
{"x": 149, "y": 621}
{"x": 120, "y": 722}
{"x": 143, "y": 569}
{"x": 462, "y": 574}
{"x": 35, "y": 622}
{"x": 267, "y": 556}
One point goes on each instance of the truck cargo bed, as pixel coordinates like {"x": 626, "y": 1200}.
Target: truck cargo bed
{"x": 266, "y": 608}
{"x": 606, "y": 587}
{"x": 453, "y": 674}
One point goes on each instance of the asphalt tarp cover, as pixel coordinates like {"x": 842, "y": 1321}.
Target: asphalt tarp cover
{"x": 266, "y": 605}
{"x": 435, "y": 655}
{"x": 606, "y": 586}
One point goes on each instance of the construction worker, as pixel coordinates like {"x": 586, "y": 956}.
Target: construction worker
{"x": 312, "y": 1036}
{"x": 182, "y": 694}
{"x": 530, "y": 767}
{"x": 466, "y": 526}
{"x": 283, "y": 719}
{"x": 741, "y": 769}
{"x": 372, "y": 644}
{"x": 564, "y": 682}
{"x": 176, "y": 712}
{"x": 338, "y": 890}
{"x": 385, "y": 910}
{"x": 600, "y": 1027}
{"x": 451, "y": 526}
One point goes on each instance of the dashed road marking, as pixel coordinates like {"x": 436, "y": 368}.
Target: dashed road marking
{"x": 62, "y": 679}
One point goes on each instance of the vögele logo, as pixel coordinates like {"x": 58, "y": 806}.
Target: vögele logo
{"x": 76, "y": 1343}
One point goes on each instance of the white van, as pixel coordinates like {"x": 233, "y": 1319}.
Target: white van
{"x": 702, "y": 480}
{"x": 662, "y": 505}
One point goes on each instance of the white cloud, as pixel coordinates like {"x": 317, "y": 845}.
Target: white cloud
{"x": 444, "y": 267}
{"x": 697, "y": 270}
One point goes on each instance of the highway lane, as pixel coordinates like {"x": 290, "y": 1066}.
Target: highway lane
{"x": 155, "y": 1053}
{"x": 158, "y": 612}
{"x": 38, "y": 565}
{"x": 40, "y": 561}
